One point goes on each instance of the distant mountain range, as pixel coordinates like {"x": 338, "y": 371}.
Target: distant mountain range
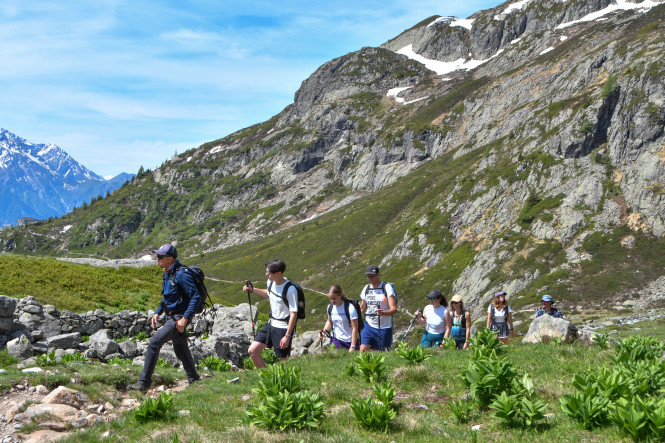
{"x": 41, "y": 180}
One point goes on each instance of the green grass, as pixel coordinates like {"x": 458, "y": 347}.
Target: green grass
{"x": 216, "y": 408}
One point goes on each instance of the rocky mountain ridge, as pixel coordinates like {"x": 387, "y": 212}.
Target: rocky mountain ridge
{"x": 520, "y": 173}
{"x": 42, "y": 180}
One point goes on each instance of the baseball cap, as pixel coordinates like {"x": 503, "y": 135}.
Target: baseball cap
{"x": 499, "y": 293}
{"x": 372, "y": 270}
{"x": 546, "y": 298}
{"x": 434, "y": 294}
{"x": 166, "y": 250}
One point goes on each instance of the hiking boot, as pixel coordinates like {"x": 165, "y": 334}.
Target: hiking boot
{"x": 138, "y": 386}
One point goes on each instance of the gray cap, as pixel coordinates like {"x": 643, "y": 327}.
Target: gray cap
{"x": 434, "y": 294}
{"x": 372, "y": 270}
{"x": 167, "y": 250}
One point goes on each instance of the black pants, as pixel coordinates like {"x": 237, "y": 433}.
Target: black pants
{"x": 180, "y": 347}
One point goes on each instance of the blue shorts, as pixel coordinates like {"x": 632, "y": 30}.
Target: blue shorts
{"x": 430, "y": 340}
{"x": 370, "y": 337}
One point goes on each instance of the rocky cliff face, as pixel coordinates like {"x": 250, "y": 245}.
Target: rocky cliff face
{"x": 556, "y": 110}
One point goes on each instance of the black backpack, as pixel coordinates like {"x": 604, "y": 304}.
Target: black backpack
{"x": 300, "y": 299}
{"x": 199, "y": 277}
{"x": 356, "y": 305}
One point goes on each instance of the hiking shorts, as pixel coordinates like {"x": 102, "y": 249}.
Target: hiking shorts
{"x": 339, "y": 344}
{"x": 370, "y": 336}
{"x": 271, "y": 337}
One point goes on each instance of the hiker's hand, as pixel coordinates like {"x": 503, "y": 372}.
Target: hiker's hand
{"x": 379, "y": 311}
{"x": 320, "y": 334}
{"x": 153, "y": 321}
{"x": 284, "y": 342}
{"x": 180, "y": 325}
{"x": 247, "y": 289}
{"x": 417, "y": 313}
{"x": 466, "y": 345}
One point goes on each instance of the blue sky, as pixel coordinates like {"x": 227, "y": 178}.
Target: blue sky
{"x": 122, "y": 84}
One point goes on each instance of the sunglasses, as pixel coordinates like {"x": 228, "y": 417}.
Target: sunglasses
{"x": 159, "y": 256}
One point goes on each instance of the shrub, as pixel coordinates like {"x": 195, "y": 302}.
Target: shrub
{"x": 214, "y": 363}
{"x": 278, "y": 378}
{"x": 461, "y": 411}
{"x": 372, "y": 415}
{"x": 287, "y": 410}
{"x": 413, "y": 356}
{"x": 154, "y": 409}
{"x": 371, "y": 365}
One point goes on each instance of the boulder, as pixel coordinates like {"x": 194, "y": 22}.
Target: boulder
{"x": 129, "y": 348}
{"x": 102, "y": 342}
{"x": 64, "y": 341}
{"x": 7, "y": 306}
{"x": 585, "y": 337}
{"x": 20, "y": 348}
{"x": 66, "y": 396}
{"x": 546, "y": 327}
{"x": 6, "y": 324}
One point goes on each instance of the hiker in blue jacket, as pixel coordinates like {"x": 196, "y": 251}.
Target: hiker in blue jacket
{"x": 180, "y": 300}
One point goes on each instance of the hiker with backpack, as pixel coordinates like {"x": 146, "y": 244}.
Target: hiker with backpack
{"x": 342, "y": 320}
{"x": 500, "y": 317}
{"x": 433, "y": 317}
{"x": 459, "y": 321}
{"x": 181, "y": 299}
{"x": 278, "y": 331}
{"x": 379, "y": 303}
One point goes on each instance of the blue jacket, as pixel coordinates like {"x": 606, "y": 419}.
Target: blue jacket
{"x": 181, "y": 298}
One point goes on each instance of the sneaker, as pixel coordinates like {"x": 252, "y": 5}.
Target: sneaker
{"x": 138, "y": 386}
{"x": 191, "y": 382}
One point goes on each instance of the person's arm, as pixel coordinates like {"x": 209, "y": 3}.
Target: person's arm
{"x": 186, "y": 281}
{"x": 354, "y": 335}
{"x": 284, "y": 342}
{"x": 510, "y": 322}
{"x": 363, "y": 307}
{"x": 449, "y": 323}
{"x": 420, "y": 317}
{"x": 468, "y": 329}
{"x": 257, "y": 291}
{"x": 392, "y": 307}
{"x": 489, "y": 319}
{"x": 326, "y": 327}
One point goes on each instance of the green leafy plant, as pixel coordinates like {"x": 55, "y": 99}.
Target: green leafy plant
{"x": 449, "y": 344}
{"x": 214, "y": 363}
{"x": 46, "y": 359}
{"x": 372, "y": 415}
{"x": 141, "y": 336}
{"x": 485, "y": 343}
{"x": 247, "y": 363}
{"x": 601, "y": 340}
{"x": 6, "y": 360}
{"x": 154, "y": 409}
{"x": 287, "y": 410}
{"x": 588, "y": 409}
{"x": 75, "y": 357}
{"x": 371, "y": 365}
{"x": 506, "y": 408}
{"x": 461, "y": 410}
{"x": 385, "y": 393}
{"x": 118, "y": 361}
{"x": 276, "y": 379}
{"x": 413, "y": 356}
{"x": 161, "y": 363}
{"x": 351, "y": 370}
{"x": 487, "y": 377}
{"x": 269, "y": 356}
{"x": 531, "y": 412}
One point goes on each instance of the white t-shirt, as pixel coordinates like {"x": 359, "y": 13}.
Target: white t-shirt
{"x": 375, "y": 299}
{"x": 500, "y": 315}
{"x": 278, "y": 309}
{"x": 436, "y": 319}
{"x": 341, "y": 326}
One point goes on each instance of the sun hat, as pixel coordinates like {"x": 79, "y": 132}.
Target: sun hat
{"x": 456, "y": 298}
{"x": 546, "y": 298}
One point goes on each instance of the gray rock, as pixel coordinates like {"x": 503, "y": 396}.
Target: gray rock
{"x": 6, "y": 324}
{"x": 7, "y": 307}
{"x": 102, "y": 342}
{"x": 64, "y": 341}
{"x": 546, "y": 327}
{"x": 129, "y": 348}
{"x": 20, "y": 348}
{"x": 585, "y": 337}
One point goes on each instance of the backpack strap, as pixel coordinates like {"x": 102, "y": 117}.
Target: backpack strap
{"x": 284, "y": 299}
{"x": 492, "y": 309}
{"x": 346, "y": 311}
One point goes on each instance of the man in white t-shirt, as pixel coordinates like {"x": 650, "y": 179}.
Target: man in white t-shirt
{"x": 278, "y": 332}
{"x": 378, "y": 305}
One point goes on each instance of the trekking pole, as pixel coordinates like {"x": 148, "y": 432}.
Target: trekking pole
{"x": 411, "y": 324}
{"x": 377, "y": 314}
{"x": 249, "y": 301}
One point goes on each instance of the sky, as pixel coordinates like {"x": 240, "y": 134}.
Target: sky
{"x": 123, "y": 84}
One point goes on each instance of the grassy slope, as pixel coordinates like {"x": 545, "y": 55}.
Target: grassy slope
{"x": 217, "y": 407}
